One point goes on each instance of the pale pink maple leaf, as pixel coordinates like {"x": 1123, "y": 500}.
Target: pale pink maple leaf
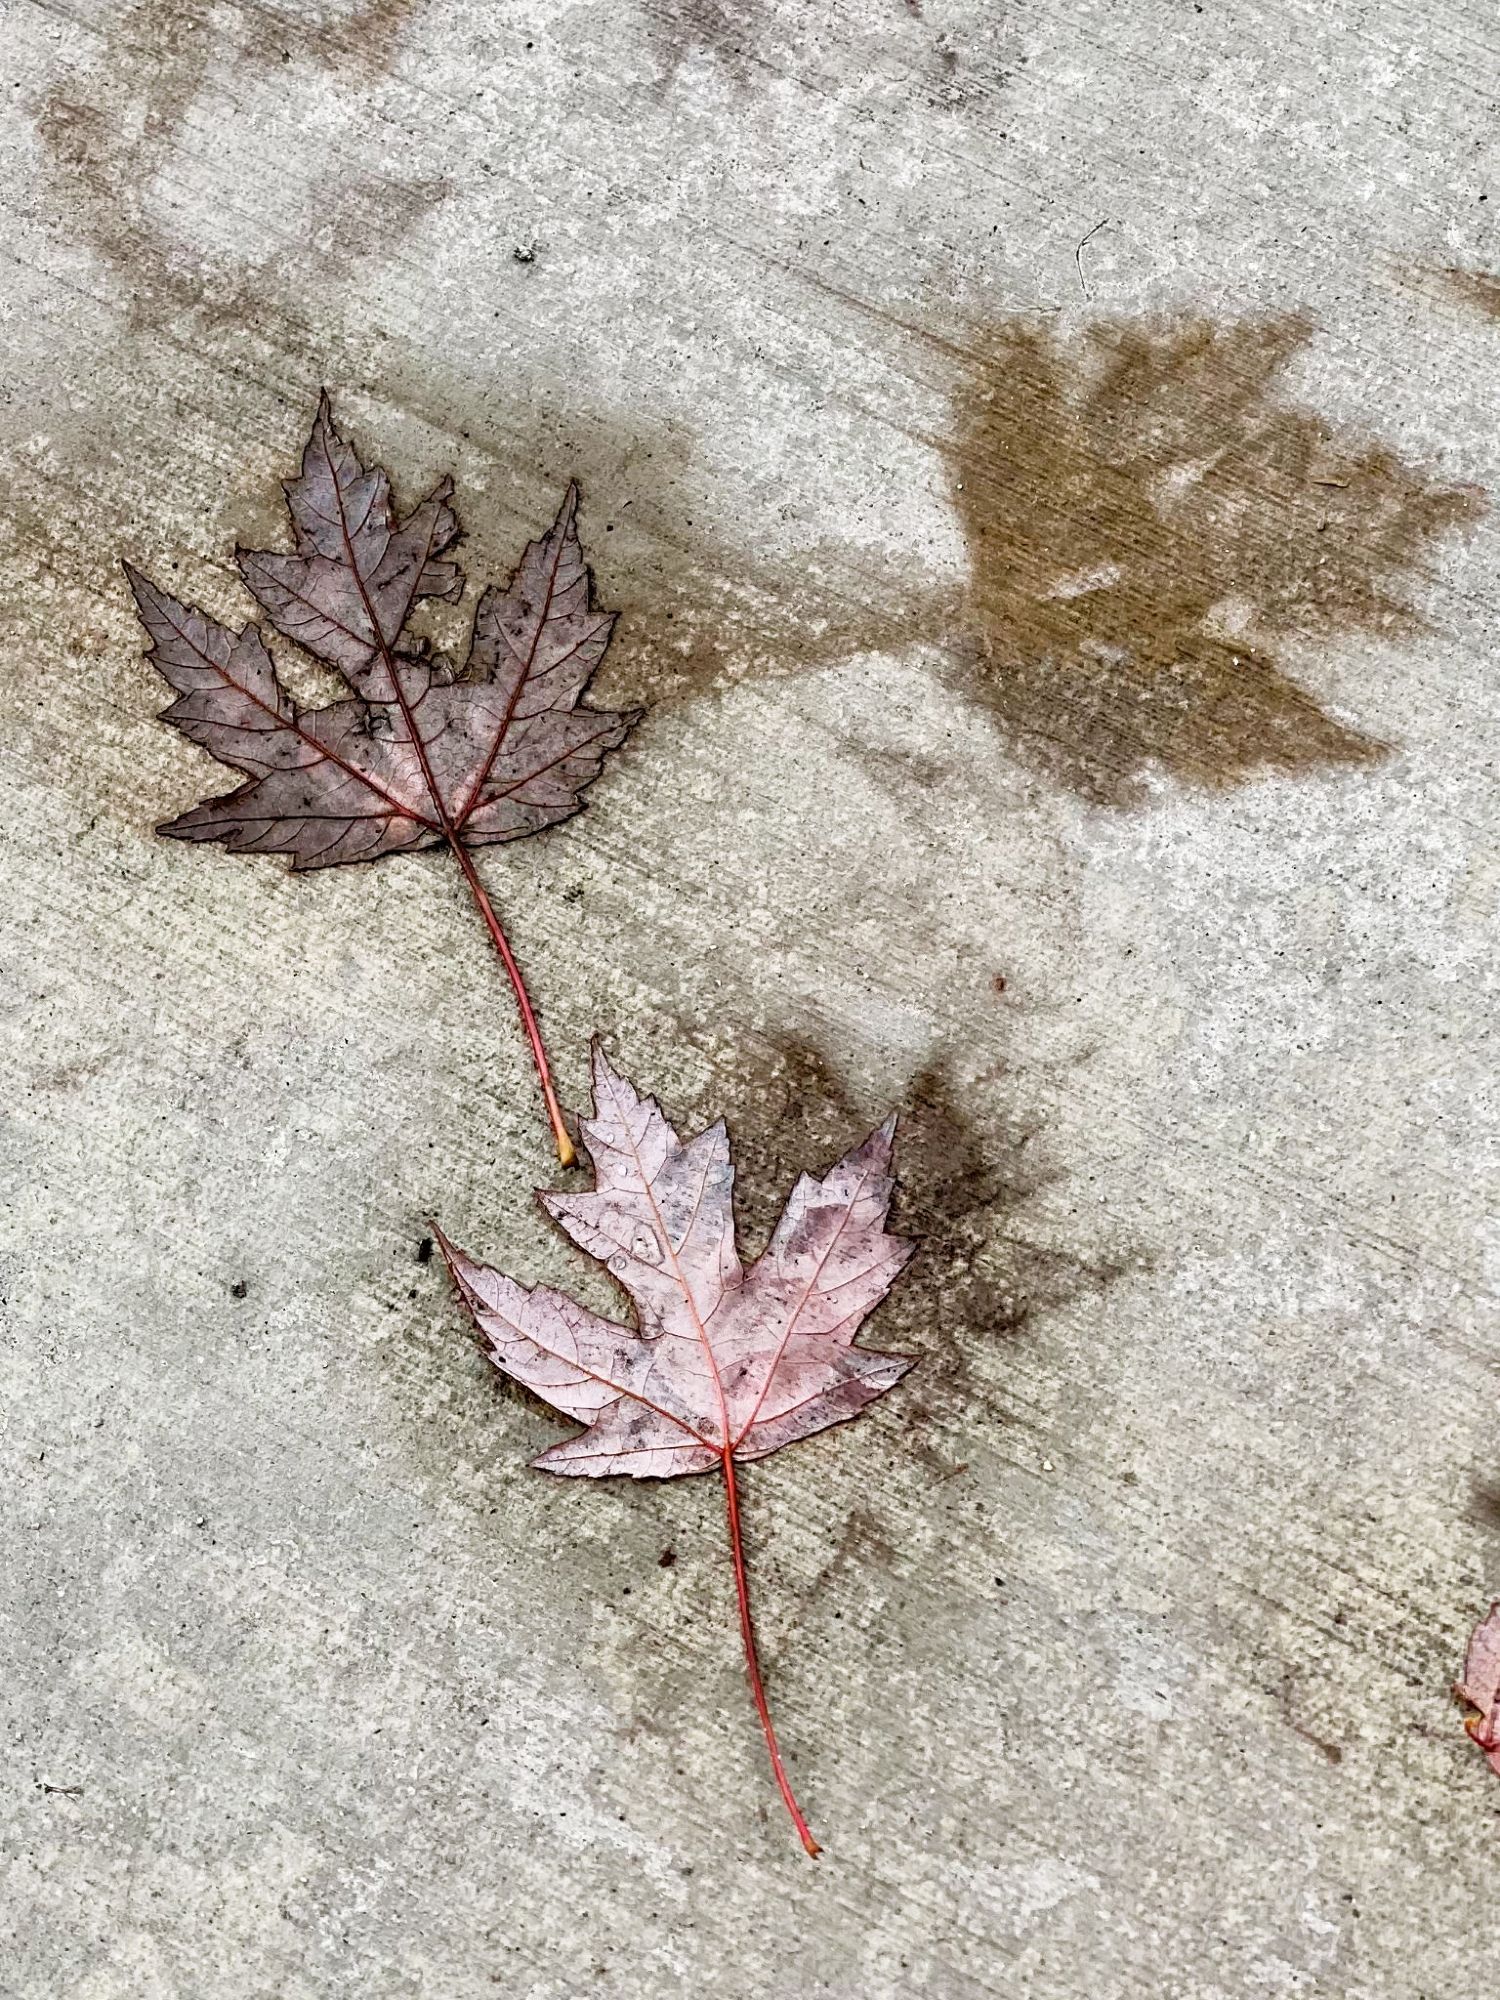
{"x": 724, "y": 1364}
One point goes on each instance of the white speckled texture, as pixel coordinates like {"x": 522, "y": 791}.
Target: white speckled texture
{"x": 1112, "y": 1651}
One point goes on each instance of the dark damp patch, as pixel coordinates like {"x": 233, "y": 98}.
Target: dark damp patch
{"x": 1150, "y": 527}
{"x": 963, "y": 1193}
{"x": 1291, "y": 1700}
{"x": 1484, "y": 1503}
{"x": 1480, "y": 289}
{"x": 695, "y": 613}
{"x": 864, "y": 1543}
{"x": 698, "y": 617}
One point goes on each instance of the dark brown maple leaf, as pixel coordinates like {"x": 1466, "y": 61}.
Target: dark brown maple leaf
{"x": 423, "y": 755}
{"x": 724, "y": 1364}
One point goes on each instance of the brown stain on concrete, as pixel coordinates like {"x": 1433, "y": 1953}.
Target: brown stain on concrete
{"x": 364, "y": 38}
{"x": 1480, "y": 289}
{"x": 1154, "y": 532}
{"x": 1291, "y": 1700}
{"x": 698, "y": 618}
{"x": 963, "y": 1192}
{"x": 1151, "y": 526}
{"x": 865, "y": 1542}
{"x": 114, "y": 128}
{"x": 896, "y": 43}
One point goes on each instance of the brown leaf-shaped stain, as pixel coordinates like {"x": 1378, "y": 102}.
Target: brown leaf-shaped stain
{"x": 1158, "y": 540}
{"x": 1151, "y": 527}
{"x": 112, "y": 130}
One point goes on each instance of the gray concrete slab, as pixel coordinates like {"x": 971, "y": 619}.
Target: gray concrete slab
{"x": 1040, "y": 455}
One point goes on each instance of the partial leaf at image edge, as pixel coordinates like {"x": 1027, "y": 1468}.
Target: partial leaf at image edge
{"x": 1479, "y": 1690}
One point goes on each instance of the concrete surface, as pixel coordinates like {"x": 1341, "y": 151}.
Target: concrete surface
{"x": 1115, "y": 617}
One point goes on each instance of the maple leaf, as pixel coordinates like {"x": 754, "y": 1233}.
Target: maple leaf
{"x": 422, "y": 754}
{"x": 724, "y": 1364}
{"x": 1480, "y": 1687}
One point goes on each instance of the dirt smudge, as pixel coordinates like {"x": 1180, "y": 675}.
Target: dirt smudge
{"x": 725, "y": 31}
{"x": 892, "y": 48}
{"x": 864, "y": 1542}
{"x": 965, "y": 71}
{"x": 119, "y": 128}
{"x": 1484, "y": 1503}
{"x": 1150, "y": 526}
{"x": 964, "y": 1190}
{"x": 366, "y": 38}
{"x": 1290, "y": 1700}
{"x": 1480, "y": 289}
{"x": 698, "y": 618}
